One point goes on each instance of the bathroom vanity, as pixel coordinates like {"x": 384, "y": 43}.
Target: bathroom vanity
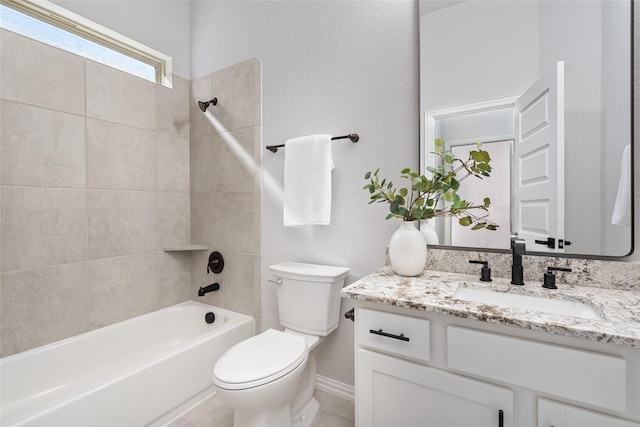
{"x": 445, "y": 349}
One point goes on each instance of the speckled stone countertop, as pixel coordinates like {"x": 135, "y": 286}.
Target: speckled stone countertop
{"x": 433, "y": 291}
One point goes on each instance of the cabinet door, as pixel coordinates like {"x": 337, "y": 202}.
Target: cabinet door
{"x": 554, "y": 414}
{"x": 391, "y": 392}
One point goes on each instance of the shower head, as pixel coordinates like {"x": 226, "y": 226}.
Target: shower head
{"x": 204, "y": 105}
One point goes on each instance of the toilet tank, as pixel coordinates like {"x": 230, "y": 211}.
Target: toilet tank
{"x": 309, "y": 296}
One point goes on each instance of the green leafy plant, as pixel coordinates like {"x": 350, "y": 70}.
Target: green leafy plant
{"x": 436, "y": 195}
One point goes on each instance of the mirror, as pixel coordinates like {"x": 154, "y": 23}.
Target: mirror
{"x": 546, "y": 86}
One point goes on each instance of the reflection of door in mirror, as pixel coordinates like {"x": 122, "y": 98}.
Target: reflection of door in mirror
{"x": 536, "y": 121}
{"x": 539, "y": 164}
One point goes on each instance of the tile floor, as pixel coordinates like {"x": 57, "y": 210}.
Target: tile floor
{"x": 334, "y": 412}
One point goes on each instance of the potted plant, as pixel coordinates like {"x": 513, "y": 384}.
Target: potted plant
{"x": 432, "y": 196}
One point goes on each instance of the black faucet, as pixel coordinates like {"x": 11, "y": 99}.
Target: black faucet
{"x": 212, "y": 287}
{"x": 518, "y": 249}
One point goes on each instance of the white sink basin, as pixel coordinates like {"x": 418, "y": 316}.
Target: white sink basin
{"x": 527, "y": 302}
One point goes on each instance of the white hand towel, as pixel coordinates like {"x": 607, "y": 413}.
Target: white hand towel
{"x": 622, "y": 208}
{"x": 307, "y": 180}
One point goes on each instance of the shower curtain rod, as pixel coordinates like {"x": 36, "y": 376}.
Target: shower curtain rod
{"x": 354, "y": 137}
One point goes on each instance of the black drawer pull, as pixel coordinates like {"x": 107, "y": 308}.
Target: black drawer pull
{"x": 400, "y": 337}
{"x": 500, "y": 418}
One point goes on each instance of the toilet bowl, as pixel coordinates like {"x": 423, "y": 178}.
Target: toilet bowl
{"x": 259, "y": 376}
{"x": 269, "y": 379}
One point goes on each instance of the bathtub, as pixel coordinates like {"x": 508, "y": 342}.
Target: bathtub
{"x": 143, "y": 371}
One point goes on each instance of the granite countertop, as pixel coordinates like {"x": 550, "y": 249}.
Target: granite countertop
{"x": 433, "y": 291}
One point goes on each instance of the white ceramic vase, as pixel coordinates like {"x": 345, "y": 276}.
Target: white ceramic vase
{"x": 407, "y": 250}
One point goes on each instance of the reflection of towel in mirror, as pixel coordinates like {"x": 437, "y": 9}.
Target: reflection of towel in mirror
{"x": 307, "y": 180}
{"x": 622, "y": 208}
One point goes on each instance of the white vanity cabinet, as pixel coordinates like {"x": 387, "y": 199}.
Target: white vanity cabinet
{"x": 434, "y": 370}
{"x": 392, "y": 391}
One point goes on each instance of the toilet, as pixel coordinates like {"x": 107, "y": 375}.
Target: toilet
{"x": 269, "y": 379}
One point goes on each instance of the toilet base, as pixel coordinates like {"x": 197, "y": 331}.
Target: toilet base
{"x": 279, "y": 415}
{"x": 307, "y": 415}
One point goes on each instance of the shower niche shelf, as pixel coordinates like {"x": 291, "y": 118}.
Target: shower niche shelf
{"x": 186, "y": 247}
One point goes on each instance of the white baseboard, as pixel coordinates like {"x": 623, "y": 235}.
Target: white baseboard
{"x": 336, "y": 388}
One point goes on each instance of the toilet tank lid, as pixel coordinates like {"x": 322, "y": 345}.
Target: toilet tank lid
{"x": 308, "y": 272}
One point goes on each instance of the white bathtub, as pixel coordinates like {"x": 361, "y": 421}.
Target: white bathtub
{"x": 143, "y": 371}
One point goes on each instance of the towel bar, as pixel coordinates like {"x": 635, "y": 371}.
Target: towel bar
{"x": 354, "y": 137}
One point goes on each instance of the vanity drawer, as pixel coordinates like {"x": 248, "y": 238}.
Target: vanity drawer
{"x": 394, "y": 333}
{"x": 584, "y": 376}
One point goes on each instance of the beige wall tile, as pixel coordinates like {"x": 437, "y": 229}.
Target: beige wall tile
{"x": 174, "y": 278}
{"x": 200, "y": 91}
{"x": 202, "y": 218}
{"x": 43, "y": 305}
{"x": 43, "y": 226}
{"x": 234, "y": 222}
{"x": 237, "y": 167}
{"x": 257, "y": 287}
{"x": 121, "y": 288}
{"x": 121, "y": 223}
{"x": 114, "y": 146}
{"x": 173, "y": 108}
{"x": 257, "y": 215}
{"x": 42, "y": 75}
{"x": 236, "y": 284}
{"x": 119, "y": 97}
{"x": 120, "y": 157}
{"x": 41, "y": 147}
{"x": 200, "y": 277}
{"x": 238, "y": 91}
{"x": 225, "y": 185}
{"x": 173, "y": 219}
{"x": 204, "y": 163}
{"x": 173, "y": 163}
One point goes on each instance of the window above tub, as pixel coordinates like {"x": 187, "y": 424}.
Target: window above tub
{"x": 51, "y": 24}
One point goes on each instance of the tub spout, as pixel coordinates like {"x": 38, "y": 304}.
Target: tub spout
{"x": 211, "y": 288}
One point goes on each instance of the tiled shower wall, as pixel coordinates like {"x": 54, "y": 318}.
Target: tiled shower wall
{"x": 225, "y": 185}
{"x": 94, "y": 182}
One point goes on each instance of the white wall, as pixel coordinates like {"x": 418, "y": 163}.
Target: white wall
{"x": 328, "y": 67}
{"x": 161, "y": 25}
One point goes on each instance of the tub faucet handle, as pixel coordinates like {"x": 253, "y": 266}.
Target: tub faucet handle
{"x": 215, "y": 263}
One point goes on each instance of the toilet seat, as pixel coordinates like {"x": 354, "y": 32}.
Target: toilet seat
{"x": 260, "y": 360}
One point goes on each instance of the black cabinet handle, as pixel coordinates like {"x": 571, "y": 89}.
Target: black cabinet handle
{"x": 400, "y": 337}
{"x": 500, "y": 418}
